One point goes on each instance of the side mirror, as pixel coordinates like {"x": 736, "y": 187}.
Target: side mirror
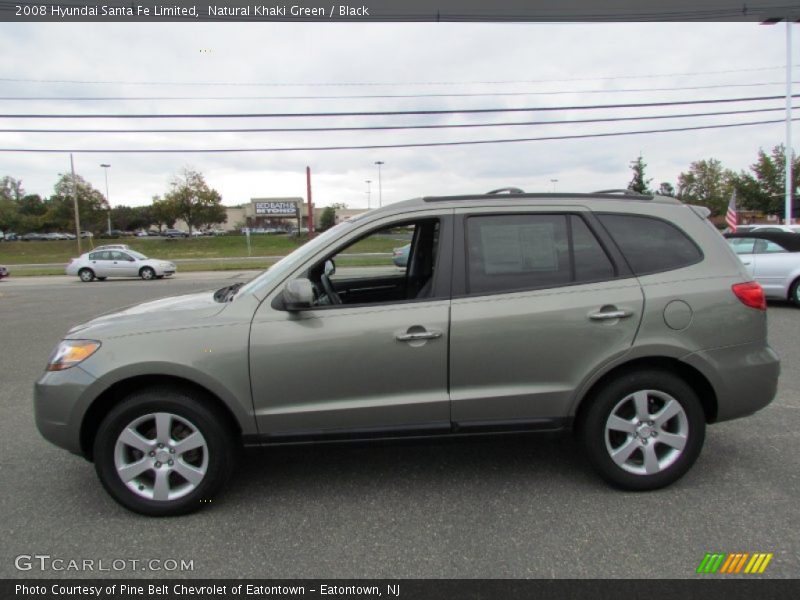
{"x": 330, "y": 268}
{"x": 298, "y": 295}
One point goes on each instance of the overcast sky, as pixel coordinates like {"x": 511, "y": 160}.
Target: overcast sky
{"x": 585, "y": 63}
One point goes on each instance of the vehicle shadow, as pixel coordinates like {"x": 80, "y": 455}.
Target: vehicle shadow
{"x": 389, "y": 464}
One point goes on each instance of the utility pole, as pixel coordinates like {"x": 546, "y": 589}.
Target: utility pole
{"x": 380, "y": 187}
{"x": 310, "y": 204}
{"x": 75, "y": 204}
{"x": 369, "y": 193}
{"x": 789, "y": 189}
{"x": 108, "y": 198}
{"x": 788, "y": 149}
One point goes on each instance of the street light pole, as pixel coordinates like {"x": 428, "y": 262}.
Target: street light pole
{"x": 554, "y": 182}
{"x": 369, "y": 193}
{"x": 108, "y": 198}
{"x": 380, "y": 187}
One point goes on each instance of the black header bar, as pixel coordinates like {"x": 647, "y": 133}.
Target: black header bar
{"x": 399, "y": 10}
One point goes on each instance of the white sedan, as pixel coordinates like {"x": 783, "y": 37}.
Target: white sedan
{"x": 100, "y": 264}
{"x": 772, "y": 259}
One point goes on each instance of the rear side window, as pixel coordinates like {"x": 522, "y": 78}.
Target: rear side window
{"x": 517, "y": 252}
{"x": 651, "y": 245}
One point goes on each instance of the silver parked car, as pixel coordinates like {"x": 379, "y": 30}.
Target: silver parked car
{"x": 772, "y": 259}
{"x": 101, "y": 264}
{"x": 609, "y": 314}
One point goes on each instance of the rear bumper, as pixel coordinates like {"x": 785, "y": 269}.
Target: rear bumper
{"x": 745, "y": 377}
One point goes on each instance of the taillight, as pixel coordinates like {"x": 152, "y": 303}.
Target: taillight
{"x": 751, "y": 294}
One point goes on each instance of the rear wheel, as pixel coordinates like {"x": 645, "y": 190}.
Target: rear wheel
{"x": 644, "y": 430}
{"x": 147, "y": 273}
{"x": 86, "y": 275}
{"x": 162, "y": 452}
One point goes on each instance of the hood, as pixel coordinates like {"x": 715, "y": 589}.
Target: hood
{"x": 174, "y": 311}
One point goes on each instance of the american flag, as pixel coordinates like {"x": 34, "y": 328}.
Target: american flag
{"x": 731, "y": 218}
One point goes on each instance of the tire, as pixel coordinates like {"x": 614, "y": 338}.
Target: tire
{"x": 86, "y": 275}
{"x": 661, "y": 448}
{"x": 147, "y": 273}
{"x": 794, "y": 292}
{"x": 141, "y": 436}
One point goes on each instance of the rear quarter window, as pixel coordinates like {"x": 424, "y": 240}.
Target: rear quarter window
{"x": 651, "y": 245}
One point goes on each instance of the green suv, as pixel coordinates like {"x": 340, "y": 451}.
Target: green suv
{"x": 625, "y": 318}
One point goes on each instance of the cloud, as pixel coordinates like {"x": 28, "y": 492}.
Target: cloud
{"x": 268, "y": 59}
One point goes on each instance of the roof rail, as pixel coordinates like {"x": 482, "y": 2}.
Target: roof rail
{"x": 508, "y": 190}
{"x": 624, "y": 192}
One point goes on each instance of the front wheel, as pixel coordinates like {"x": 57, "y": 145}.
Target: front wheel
{"x": 162, "y": 452}
{"x": 86, "y": 275}
{"x": 644, "y": 430}
{"x": 147, "y": 273}
{"x": 794, "y": 292}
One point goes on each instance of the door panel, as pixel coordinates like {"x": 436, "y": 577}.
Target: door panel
{"x": 772, "y": 271}
{"x": 101, "y": 266}
{"x": 344, "y": 368}
{"x": 521, "y": 356}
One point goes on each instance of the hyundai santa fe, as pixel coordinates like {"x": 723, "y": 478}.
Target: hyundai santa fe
{"x": 623, "y": 317}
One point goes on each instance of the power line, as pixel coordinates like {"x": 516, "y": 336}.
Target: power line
{"x": 384, "y": 83}
{"x": 388, "y": 112}
{"x": 383, "y": 96}
{"x": 404, "y": 127}
{"x": 383, "y": 146}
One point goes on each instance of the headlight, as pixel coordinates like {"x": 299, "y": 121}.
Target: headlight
{"x": 70, "y": 353}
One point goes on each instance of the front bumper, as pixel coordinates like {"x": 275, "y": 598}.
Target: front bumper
{"x": 59, "y": 406}
{"x": 745, "y": 377}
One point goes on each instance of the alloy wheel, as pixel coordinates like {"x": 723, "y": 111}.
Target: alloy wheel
{"x": 646, "y": 432}
{"x": 161, "y": 456}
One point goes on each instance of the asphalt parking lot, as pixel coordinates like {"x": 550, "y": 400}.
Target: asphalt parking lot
{"x": 514, "y": 508}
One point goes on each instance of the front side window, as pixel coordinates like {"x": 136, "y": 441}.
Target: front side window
{"x": 517, "y": 252}
{"x": 768, "y": 247}
{"x": 391, "y": 264}
{"x": 742, "y": 245}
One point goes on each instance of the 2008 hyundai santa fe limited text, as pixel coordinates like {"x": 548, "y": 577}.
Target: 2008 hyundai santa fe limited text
{"x": 623, "y": 317}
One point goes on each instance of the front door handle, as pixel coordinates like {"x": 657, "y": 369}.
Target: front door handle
{"x": 610, "y": 314}
{"x": 418, "y": 335}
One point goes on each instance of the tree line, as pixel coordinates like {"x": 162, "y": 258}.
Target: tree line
{"x": 188, "y": 198}
{"x": 708, "y": 183}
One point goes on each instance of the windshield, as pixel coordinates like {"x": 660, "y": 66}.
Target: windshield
{"x": 137, "y": 255}
{"x": 281, "y": 268}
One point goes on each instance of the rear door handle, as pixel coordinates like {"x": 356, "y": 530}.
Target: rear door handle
{"x": 611, "y": 314}
{"x": 418, "y": 335}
